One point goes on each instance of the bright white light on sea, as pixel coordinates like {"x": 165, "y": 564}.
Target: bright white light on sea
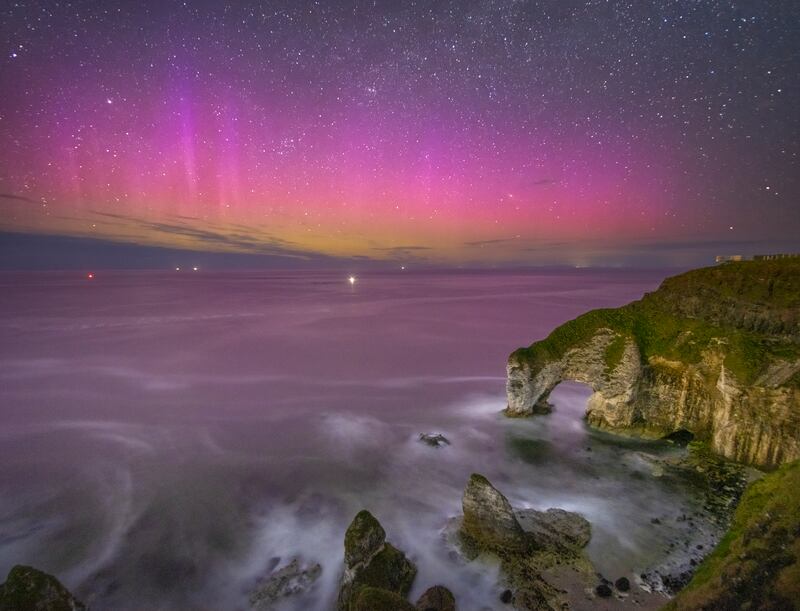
{"x": 352, "y": 280}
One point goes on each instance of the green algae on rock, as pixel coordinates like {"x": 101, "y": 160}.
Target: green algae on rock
{"x": 436, "y": 598}
{"x": 27, "y": 589}
{"x": 371, "y": 562}
{"x": 714, "y": 351}
{"x": 526, "y": 542}
{"x": 377, "y": 599}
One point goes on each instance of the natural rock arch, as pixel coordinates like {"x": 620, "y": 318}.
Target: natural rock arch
{"x": 655, "y": 398}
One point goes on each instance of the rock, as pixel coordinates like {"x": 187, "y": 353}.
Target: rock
{"x": 437, "y": 598}
{"x": 682, "y": 362}
{"x": 27, "y": 589}
{"x": 556, "y": 529}
{"x": 375, "y": 599}
{"x": 287, "y": 581}
{"x": 534, "y": 600}
{"x": 622, "y": 584}
{"x": 758, "y": 565}
{"x": 489, "y": 518}
{"x": 364, "y": 538}
{"x": 526, "y": 542}
{"x": 435, "y": 440}
{"x": 371, "y": 562}
{"x": 603, "y": 591}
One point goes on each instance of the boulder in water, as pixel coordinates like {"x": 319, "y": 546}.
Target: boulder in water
{"x": 372, "y": 563}
{"x": 435, "y": 440}
{"x": 489, "y": 518}
{"x": 287, "y": 581}
{"x": 376, "y": 599}
{"x": 437, "y": 598}
{"x": 27, "y": 589}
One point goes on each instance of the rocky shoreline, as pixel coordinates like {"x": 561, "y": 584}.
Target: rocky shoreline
{"x": 719, "y": 374}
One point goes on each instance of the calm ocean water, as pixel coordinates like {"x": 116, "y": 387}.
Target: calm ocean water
{"x": 168, "y": 439}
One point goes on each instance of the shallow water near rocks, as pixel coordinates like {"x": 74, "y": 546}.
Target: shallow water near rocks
{"x": 168, "y": 439}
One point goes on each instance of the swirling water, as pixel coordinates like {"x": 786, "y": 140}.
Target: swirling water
{"x": 168, "y": 439}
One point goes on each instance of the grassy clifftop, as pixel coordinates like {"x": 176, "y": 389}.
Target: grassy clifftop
{"x": 757, "y": 563}
{"x": 752, "y": 308}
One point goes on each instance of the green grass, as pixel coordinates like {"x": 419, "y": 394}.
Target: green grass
{"x": 689, "y": 314}
{"x": 757, "y": 563}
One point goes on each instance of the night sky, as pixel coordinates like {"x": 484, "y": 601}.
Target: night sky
{"x": 491, "y": 132}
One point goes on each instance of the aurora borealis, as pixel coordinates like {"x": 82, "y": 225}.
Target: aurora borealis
{"x": 464, "y": 132}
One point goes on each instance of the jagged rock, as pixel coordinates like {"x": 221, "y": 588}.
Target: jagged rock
{"x": 527, "y": 542}
{"x": 287, "y": 581}
{"x": 375, "y": 599}
{"x": 371, "y": 562}
{"x": 435, "y": 440}
{"x": 713, "y": 353}
{"x": 555, "y": 529}
{"x": 27, "y": 589}
{"x": 491, "y": 522}
{"x": 534, "y": 599}
{"x": 364, "y": 538}
{"x": 489, "y": 518}
{"x": 437, "y": 598}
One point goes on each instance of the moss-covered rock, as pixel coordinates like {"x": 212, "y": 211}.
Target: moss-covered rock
{"x": 27, "y": 589}
{"x": 714, "y": 351}
{"x": 389, "y": 570}
{"x": 489, "y": 518}
{"x": 436, "y": 598}
{"x": 371, "y": 562}
{"x": 757, "y": 563}
{"x": 364, "y": 538}
{"x": 527, "y": 543}
{"x": 375, "y": 599}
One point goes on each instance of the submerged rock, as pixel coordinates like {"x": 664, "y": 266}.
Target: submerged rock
{"x": 288, "y": 581}
{"x": 372, "y": 563}
{"x": 437, "y": 598}
{"x": 27, "y": 589}
{"x": 435, "y": 440}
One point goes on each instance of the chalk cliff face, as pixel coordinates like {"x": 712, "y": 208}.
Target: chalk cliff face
{"x": 728, "y": 372}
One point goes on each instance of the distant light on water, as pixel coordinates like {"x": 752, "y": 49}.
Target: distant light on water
{"x": 90, "y": 276}
{"x": 195, "y": 268}
{"x": 352, "y": 280}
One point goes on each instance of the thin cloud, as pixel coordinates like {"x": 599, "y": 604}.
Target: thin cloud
{"x": 18, "y": 198}
{"x": 482, "y": 243}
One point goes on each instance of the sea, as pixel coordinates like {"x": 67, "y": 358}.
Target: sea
{"x": 168, "y": 440}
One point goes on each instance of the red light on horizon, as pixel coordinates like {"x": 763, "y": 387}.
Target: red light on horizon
{"x": 90, "y": 276}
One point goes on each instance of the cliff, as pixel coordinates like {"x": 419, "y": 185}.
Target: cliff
{"x": 714, "y": 351}
{"x": 757, "y": 564}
